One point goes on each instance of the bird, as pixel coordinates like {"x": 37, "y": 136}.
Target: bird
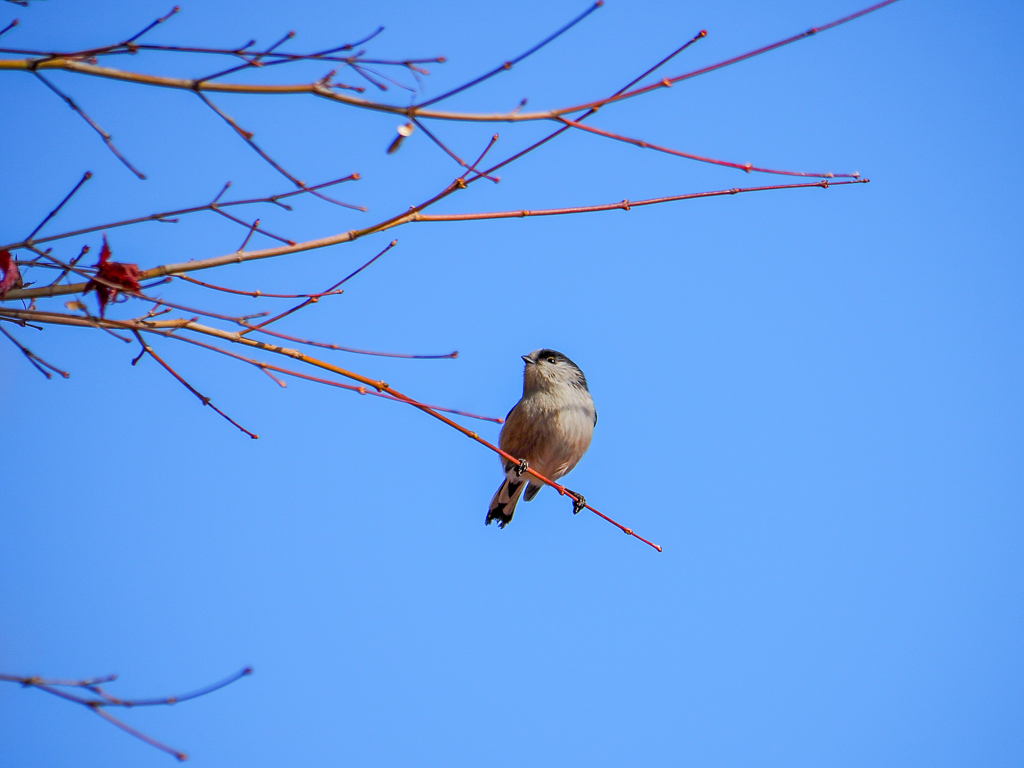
{"x": 548, "y": 430}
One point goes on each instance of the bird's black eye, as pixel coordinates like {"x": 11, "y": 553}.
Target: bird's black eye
{"x": 551, "y": 359}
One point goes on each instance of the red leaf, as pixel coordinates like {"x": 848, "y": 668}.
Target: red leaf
{"x": 116, "y": 277}
{"x": 12, "y": 275}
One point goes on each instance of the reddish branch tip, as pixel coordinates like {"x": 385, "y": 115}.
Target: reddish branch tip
{"x": 703, "y": 33}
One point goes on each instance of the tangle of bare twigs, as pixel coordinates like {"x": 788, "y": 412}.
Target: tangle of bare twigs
{"x": 155, "y": 318}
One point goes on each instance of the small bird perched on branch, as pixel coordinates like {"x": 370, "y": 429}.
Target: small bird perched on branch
{"x": 548, "y": 430}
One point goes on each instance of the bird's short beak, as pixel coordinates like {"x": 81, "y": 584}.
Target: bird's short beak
{"x": 526, "y": 359}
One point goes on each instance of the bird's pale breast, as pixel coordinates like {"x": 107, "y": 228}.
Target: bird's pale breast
{"x": 551, "y": 432}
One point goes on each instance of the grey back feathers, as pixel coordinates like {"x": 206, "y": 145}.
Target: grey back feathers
{"x": 550, "y": 428}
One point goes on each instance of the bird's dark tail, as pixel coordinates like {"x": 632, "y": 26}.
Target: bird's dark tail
{"x": 503, "y": 505}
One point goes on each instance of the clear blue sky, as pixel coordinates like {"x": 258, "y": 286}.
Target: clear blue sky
{"x": 812, "y": 399}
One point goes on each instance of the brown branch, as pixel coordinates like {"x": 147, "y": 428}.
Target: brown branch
{"x": 21, "y": 316}
{"x": 69, "y": 63}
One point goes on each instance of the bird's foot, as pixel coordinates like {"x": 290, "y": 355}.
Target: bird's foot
{"x": 523, "y": 466}
{"x": 579, "y": 503}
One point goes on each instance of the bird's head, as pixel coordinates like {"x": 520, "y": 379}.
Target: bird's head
{"x": 548, "y": 369}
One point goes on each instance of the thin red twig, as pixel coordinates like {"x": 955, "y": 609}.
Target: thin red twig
{"x": 625, "y": 205}
{"x": 747, "y": 167}
{"x": 259, "y": 294}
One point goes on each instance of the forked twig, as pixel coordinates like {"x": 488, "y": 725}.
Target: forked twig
{"x": 100, "y": 700}
{"x": 40, "y": 364}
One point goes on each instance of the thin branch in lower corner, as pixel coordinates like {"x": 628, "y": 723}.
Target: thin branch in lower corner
{"x": 103, "y": 700}
{"x": 258, "y": 294}
{"x": 202, "y": 398}
{"x": 35, "y": 359}
{"x": 145, "y": 738}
